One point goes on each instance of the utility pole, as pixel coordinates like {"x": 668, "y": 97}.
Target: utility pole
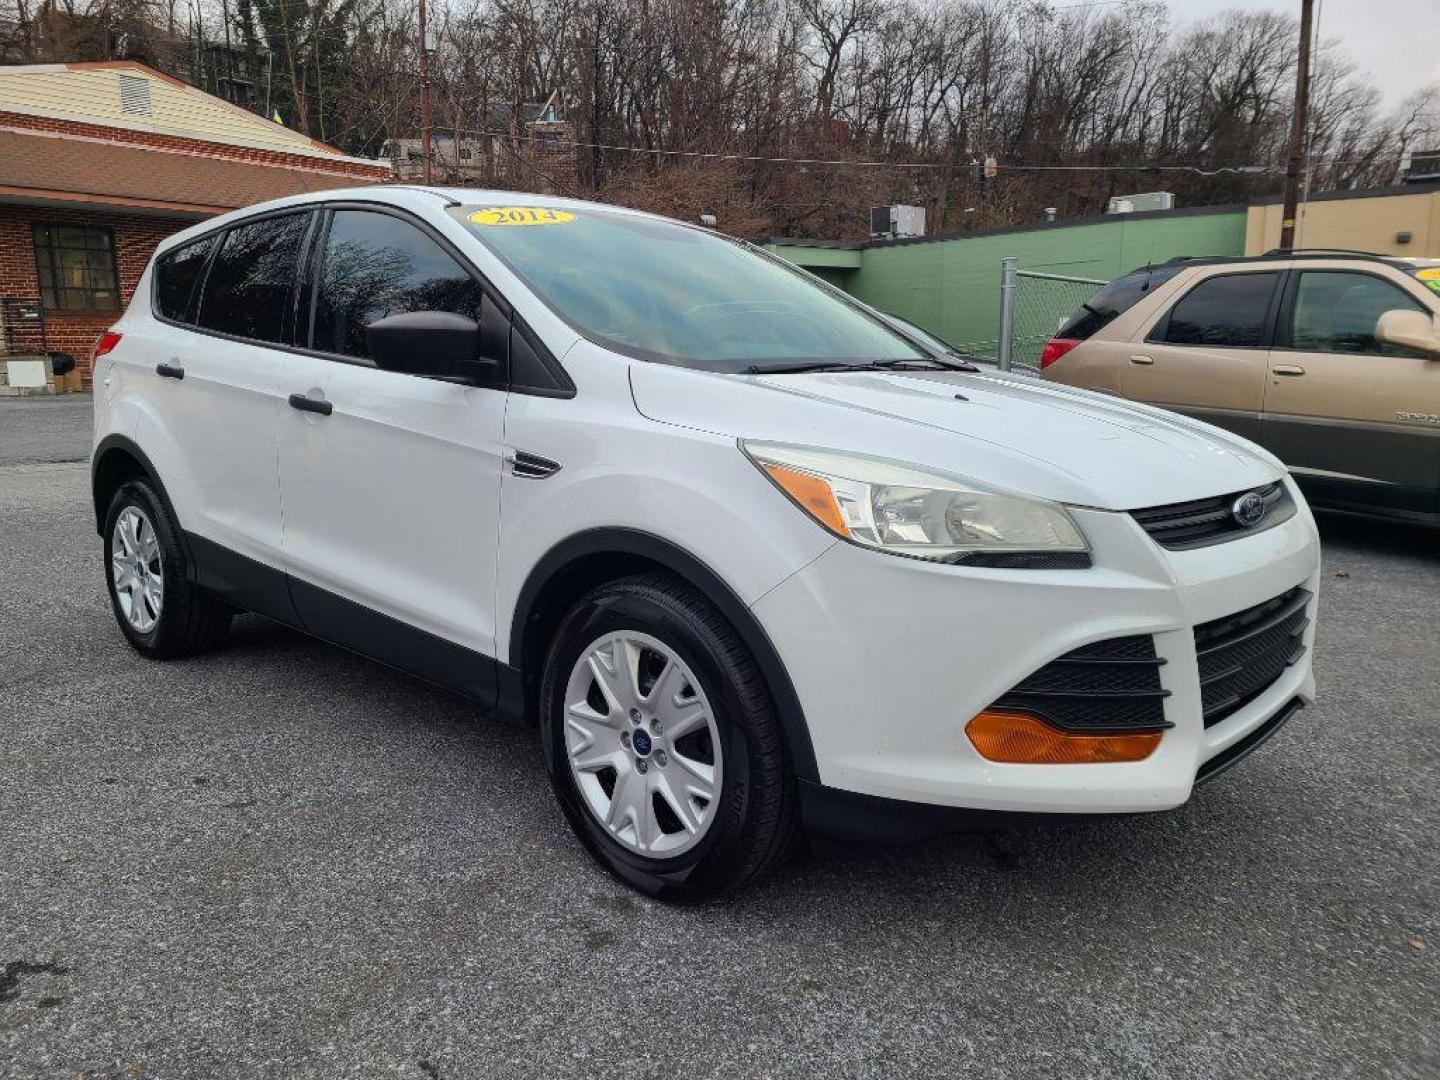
{"x": 229, "y": 92}
{"x": 425, "y": 96}
{"x": 596, "y": 160}
{"x": 1297, "y": 127}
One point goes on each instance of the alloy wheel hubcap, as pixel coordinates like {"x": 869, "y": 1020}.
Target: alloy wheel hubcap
{"x": 136, "y": 570}
{"x": 642, "y": 744}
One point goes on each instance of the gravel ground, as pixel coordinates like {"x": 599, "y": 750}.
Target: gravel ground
{"x": 280, "y": 860}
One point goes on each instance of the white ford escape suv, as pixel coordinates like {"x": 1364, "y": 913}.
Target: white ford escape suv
{"x": 748, "y": 555}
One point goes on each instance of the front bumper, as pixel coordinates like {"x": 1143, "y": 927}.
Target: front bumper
{"x": 891, "y": 657}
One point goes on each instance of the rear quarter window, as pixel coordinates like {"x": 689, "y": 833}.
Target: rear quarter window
{"x": 176, "y": 275}
{"x": 1114, "y": 300}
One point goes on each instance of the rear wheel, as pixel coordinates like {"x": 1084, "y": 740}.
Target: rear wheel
{"x": 159, "y": 611}
{"x": 662, "y": 742}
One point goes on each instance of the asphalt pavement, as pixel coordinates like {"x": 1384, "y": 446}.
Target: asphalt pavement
{"x": 281, "y": 860}
{"x": 42, "y": 429}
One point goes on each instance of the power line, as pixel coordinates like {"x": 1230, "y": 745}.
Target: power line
{"x": 917, "y": 165}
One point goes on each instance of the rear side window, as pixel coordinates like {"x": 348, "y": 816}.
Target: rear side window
{"x": 1336, "y": 312}
{"x": 252, "y": 278}
{"x": 176, "y": 275}
{"x": 1229, "y": 311}
{"x": 1114, "y": 300}
{"x": 378, "y": 265}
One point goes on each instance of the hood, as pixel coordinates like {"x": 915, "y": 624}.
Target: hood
{"x": 1040, "y": 439}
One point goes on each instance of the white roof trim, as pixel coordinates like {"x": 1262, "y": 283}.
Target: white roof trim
{"x": 138, "y": 123}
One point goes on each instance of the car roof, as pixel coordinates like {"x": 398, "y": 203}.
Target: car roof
{"x": 405, "y": 195}
{"x": 1287, "y": 255}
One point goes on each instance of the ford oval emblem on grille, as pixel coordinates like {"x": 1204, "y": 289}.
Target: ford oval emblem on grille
{"x": 1248, "y": 509}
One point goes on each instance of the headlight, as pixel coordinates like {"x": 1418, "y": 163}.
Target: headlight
{"x": 910, "y": 511}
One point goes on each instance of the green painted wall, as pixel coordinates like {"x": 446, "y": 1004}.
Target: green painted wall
{"x": 952, "y": 287}
{"x": 813, "y": 257}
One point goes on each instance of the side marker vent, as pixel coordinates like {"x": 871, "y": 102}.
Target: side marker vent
{"x": 531, "y": 466}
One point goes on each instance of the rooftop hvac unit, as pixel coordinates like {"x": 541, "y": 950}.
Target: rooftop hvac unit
{"x": 1148, "y": 200}
{"x": 897, "y": 221}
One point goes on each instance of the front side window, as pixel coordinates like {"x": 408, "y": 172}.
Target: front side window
{"x": 1226, "y": 311}
{"x": 1336, "y": 312}
{"x": 252, "y": 277}
{"x": 176, "y": 275}
{"x": 658, "y": 290}
{"x": 378, "y": 265}
{"x": 76, "y": 267}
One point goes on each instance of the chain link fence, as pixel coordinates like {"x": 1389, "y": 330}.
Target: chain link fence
{"x": 1032, "y": 307}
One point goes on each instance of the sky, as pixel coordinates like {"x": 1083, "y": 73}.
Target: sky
{"x": 1393, "y": 40}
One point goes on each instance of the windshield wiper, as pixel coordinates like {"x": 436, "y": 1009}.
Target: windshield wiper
{"x": 802, "y": 367}
{"x": 947, "y": 362}
{"x": 919, "y": 363}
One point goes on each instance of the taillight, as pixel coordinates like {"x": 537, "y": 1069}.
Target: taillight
{"x": 108, "y": 341}
{"x": 1055, "y": 348}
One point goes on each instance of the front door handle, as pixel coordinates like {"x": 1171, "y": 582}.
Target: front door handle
{"x": 1141, "y": 359}
{"x": 169, "y": 371}
{"x": 306, "y": 403}
{"x": 1288, "y": 369}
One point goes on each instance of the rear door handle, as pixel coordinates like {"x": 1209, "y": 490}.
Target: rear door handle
{"x": 1288, "y": 369}
{"x": 1142, "y": 360}
{"x": 170, "y": 371}
{"x": 305, "y": 403}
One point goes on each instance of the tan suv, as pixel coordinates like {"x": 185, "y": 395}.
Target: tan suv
{"x": 1329, "y": 359}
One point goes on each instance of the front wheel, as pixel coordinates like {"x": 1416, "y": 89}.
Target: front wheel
{"x": 662, "y": 742}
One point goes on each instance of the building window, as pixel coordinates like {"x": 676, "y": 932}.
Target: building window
{"x": 464, "y": 153}
{"x": 76, "y": 266}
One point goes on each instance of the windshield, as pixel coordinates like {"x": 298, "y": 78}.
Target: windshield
{"x": 662, "y": 291}
{"x": 905, "y": 326}
{"x": 1426, "y": 271}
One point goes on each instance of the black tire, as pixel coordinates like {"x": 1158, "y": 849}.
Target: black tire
{"x": 757, "y": 822}
{"x": 189, "y": 621}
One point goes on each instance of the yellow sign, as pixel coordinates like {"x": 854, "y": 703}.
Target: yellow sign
{"x": 1431, "y": 277}
{"x": 521, "y": 215}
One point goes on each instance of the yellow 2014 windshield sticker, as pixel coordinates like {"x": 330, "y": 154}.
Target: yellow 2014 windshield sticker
{"x": 1430, "y": 277}
{"x": 521, "y": 215}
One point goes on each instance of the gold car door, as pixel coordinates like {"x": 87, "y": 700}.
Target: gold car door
{"x": 1352, "y": 417}
{"x": 1206, "y": 353}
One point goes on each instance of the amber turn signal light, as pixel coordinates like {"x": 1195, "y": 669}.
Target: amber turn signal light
{"x": 1021, "y": 739}
{"x": 812, "y": 493}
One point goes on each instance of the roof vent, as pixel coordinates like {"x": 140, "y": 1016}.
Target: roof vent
{"x": 134, "y": 95}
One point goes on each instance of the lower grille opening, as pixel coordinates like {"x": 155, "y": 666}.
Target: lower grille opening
{"x": 1106, "y": 687}
{"x": 1241, "y": 655}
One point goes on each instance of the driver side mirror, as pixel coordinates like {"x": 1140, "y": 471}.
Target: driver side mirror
{"x": 432, "y": 344}
{"x": 1411, "y": 329}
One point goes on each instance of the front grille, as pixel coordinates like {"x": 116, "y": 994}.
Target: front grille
{"x": 1241, "y": 655}
{"x": 1200, "y": 522}
{"x": 1109, "y": 686}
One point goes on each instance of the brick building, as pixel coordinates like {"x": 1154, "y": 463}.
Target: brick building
{"x": 100, "y": 162}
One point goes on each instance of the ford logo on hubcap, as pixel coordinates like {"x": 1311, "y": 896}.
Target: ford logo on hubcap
{"x": 641, "y": 741}
{"x": 1248, "y": 509}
